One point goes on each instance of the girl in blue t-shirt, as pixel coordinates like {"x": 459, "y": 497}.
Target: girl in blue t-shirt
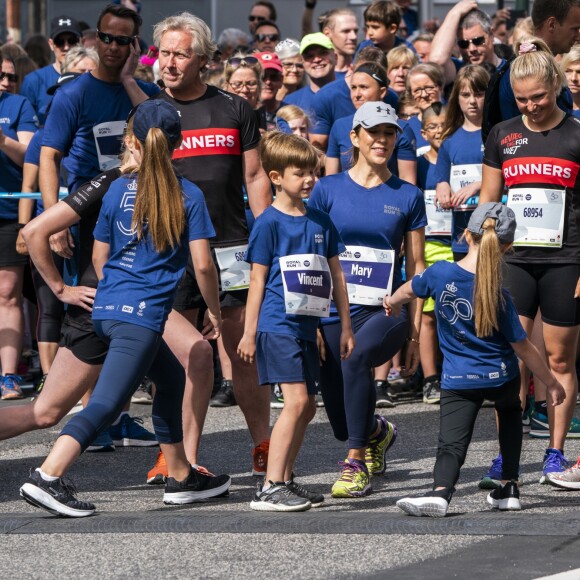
{"x": 293, "y": 252}
{"x": 148, "y": 225}
{"x": 480, "y": 335}
{"x": 458, "y": 171}
{"x": 374, "y": 212}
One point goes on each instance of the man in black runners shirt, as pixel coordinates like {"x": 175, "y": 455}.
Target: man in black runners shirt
{"x": 219, "y": 154}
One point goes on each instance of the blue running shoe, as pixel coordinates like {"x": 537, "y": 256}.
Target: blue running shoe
{"x": 554, "y": 462}
{"x": 492, "y": 479}
{"x": 102, "y": 443}
{"x": 129, "y": 432}
{"x": 10, "y": 387}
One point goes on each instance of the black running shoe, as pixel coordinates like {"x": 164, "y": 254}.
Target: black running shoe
{"x": 384, "y": 399}
{"x": 316, "y": 499}
{"x": 505, "y": 497}
{"x": 225, "y": 396}
{"x": 56, "y": 497}
{"x": 278, "y": 498}
{"x": 195, "y": 487}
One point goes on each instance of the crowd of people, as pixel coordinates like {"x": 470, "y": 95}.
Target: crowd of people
{"x": 382, "y": 209}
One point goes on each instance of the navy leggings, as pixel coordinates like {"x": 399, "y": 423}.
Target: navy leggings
{"x": 134, "y": 351}
{"x": 347, "y": 386}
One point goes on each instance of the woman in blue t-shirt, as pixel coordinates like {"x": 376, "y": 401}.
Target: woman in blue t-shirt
{"x": 148, "y": 225}
{"x": 480, "y": 335}
{"x": 458, "y": 171}
{"x": 17, "y": 126}
{"x": 374, "y": 212}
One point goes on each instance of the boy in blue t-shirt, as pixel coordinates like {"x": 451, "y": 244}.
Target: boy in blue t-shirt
{"x": 293, "y": 252}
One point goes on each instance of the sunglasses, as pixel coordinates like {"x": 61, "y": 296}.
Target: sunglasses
{"x": 270, "y": 37}
{"x": 237, "y": 61}
{"x": 110, "y": 38}
{"x": 12, "y": 78}
{"x": 61, "y": 40}
{"x": 252, "y": 18}
{"x": 479, "y": 41}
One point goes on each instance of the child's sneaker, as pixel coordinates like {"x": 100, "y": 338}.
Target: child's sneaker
{"x": 505, "y": 497}
{"x": 567, "y": 479}
{"x": 432, "y": 390}
{"x": 378, "y": 447}
{"x": 278, "y": 498}
{"x": 554, "y": 462}
{"x": 260, "y": 457}
{"x": 316, "y": 499}
{"x": 433, "y": 504}
{"x": 276, "y": 397}
{"x": 10, "y": 387}
{"x": 353, "y": 480}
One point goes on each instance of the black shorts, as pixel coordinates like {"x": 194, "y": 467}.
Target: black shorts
{"x": 188, "y": 296}
{"x": 8, "y": 255}
{"x": 83, "y": 343}
{"x": 549, "y": 287}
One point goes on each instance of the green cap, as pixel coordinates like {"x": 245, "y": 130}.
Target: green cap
{"x": 316, "y": 38}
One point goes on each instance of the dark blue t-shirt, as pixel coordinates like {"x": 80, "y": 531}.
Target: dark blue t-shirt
{"x": 34, "y": 87}
{"x": 16, "y": 114}
{"x": 469, "y": 362}
{"x": 332, "y": 102}
{"x": 376, "y": 218}
{"x": 461, "y": 148}
{"x": 276, "y": 235}
{"x": 398, "y": 42}
{"x": 139, "y": 283}
{"x": 422, "y": 145}
{"x": 340, "y": 146}
{"x": 303, "y": 98}
{"x": 86, "y": 123}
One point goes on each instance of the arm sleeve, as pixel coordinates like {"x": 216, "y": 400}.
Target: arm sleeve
{"x": 86, "y": 200}
{"x": 491, "y": 155}
{"x": 422, "y": 284}
{"x": 61, "y": 124}
{"x": 249, "y": 130}
{"x": 418, "y": 216}
{"x": 509, "y": 322}
{"x": 323, "y": 114}
{"x": 443, "y": 167}
{"x": 198, "y": 220}
{"x": 261, "y": 244}
{"x": 27, "y": 120}
{"x": 317, "y": 198}
{"x": 29, "y": 89}
{"x": 333, "y": 150}
{"x": 32, "y": 155}
{"x": 406, "y": 145}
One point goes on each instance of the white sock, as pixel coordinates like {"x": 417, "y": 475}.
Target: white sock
{"x": 120, "y": 417}
{"x": 45, "y": 476}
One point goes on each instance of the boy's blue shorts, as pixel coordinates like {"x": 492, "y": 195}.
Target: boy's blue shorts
{"x": 282, "y": 358}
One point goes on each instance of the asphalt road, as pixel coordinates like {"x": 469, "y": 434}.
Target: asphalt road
{"x": 135, "y": 535}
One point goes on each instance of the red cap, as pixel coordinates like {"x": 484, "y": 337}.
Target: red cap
{"x": 269, "y": 60}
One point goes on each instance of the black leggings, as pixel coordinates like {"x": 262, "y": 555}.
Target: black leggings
{"x": 50, "y": 308}
{"x": 459, "y": 410}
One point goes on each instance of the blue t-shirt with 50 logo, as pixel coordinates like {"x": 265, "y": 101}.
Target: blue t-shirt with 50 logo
{"x": 469, "y": 362}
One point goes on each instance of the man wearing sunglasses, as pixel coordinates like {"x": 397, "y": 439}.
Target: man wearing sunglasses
{"x": 267, "y": 36}
{"x": 260, "y": 11}
{"x": 87, "y": 116}
{"x": 471, "y": 29}
{"x": 65, "y": 33}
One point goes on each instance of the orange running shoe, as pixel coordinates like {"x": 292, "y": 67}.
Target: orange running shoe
{"x": 158, "y": 474}
{"x": 260, "y": 455}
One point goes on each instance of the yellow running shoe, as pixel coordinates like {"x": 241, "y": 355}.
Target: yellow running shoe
{"x": 353, "y": 481}
{"x": 378, "y": 447}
